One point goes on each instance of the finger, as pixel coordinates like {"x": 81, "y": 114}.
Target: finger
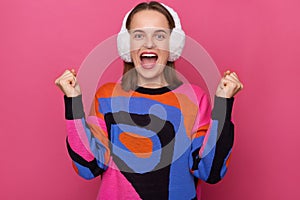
{"x": 66, "y": 72}
{"x": 61, "y": 76}
{"x": 69, "y": 74}
{"x": 235, "y": 86}
{"x": 71, "y": 80}
{"x": 73, "y": 72}
{"x": 233, "y": 74}
{"x": 233, "y": 82}
{"x": 74, "y": 81}
{"x": 56, "y": 81}
{"x": 228, "y": 77}
{"x": 233, "y": 77}
{"x": 68, "y": 79}
{"x": 227, "y": 72}
{"x": 223, "y": 82}
{"x": 236, "y": 76}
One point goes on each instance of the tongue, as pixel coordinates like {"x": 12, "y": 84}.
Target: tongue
{"x": 148, "y": 62}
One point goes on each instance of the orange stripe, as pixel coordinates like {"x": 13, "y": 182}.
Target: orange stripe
{"x": 188, "y": 108}
{"x": 102, "y": 137}
{"x": 201, "y": 131}
{"x": 115, "y": 89}
{"x": 228, "y": 160}
{"x": 75, "y": 168}
{"x": 139, "y": 145}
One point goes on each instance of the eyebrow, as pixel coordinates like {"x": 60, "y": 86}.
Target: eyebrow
{"x": 156, "y": 31}
{"x": 160, "y": 31}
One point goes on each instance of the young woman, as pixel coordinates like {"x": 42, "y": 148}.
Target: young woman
{"x": 150, "y": 136}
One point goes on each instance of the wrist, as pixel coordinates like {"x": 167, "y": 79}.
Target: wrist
{"x": 73, "y": 107}
{"x": 222, "y": 108}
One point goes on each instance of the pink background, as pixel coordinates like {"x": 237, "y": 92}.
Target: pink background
{"x": 259, "y": 39}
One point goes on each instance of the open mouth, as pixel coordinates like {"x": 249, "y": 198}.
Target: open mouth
{"x": 148, "y": 59}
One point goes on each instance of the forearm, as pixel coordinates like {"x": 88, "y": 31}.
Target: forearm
{"x": 76, "y": 127}
{"x": 210, "y": 152}
{"x": 82, "y": 146}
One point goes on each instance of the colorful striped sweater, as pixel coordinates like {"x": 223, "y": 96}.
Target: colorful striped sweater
{"x": 150, "y": 143}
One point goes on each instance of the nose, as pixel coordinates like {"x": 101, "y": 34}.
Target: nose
{"x": 149, "y": 43}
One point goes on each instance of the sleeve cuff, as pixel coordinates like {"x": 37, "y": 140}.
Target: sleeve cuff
{"x": 73, "y": 107}
{"x": 222, "y": 108}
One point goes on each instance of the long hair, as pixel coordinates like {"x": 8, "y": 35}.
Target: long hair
{"x": 129, "y": 78}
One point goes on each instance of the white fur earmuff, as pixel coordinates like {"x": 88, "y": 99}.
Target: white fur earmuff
{"x": 177, "y": 39}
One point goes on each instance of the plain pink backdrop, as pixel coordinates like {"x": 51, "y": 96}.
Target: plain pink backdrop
{"x": 259, "y": 39}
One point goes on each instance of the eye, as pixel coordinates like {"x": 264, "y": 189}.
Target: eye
{"x": 160, "y": 36}
{"x": 138, "y": 36}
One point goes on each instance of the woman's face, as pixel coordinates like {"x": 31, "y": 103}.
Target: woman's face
{"x": 149, "y": 47}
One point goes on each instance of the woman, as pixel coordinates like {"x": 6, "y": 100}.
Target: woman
{"x": 152, "y": 136}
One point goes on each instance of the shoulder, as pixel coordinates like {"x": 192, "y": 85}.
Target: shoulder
{"x": 192, "y": 91}
{"x": 108, "y": 89}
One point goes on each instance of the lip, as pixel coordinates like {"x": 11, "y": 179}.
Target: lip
{"x": 148, "y": 52}
{"x": 148, "y": 66}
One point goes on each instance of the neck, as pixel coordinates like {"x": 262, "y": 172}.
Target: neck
{"x": 153, "y": 83}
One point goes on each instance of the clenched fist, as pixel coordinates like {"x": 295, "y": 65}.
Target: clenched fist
{"x": 229, "y": 85}
{"x": 68, "y": 84}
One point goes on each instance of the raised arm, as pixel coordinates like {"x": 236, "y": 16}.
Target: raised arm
{"x": 212, "y": 143}
{"x": 87, "y": 140}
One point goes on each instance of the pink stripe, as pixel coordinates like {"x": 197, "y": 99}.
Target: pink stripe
{"x": 193, "y": 92}
{"x": 199, "y": 97}
{"x": 205, "y": 112}
{"x": 97, "y": 121}
{"x": 78, "y": 139}
{"x": 114, "y": 186}
{"x": 205, "y": 140}
{"x": 204, "y": 106}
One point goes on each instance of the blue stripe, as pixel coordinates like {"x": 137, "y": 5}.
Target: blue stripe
{"x": 139, "y": 165}
{"x": 97, "y": 148}
{"x": 140, "y": 105}
{"x": 84, "y": 171}
{"x": 224, "y": 168}
{"x": 208, "y": 154}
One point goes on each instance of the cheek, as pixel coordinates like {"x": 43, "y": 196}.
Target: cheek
{"x": 135, "y": 45}
{"x": 164, "y": 55}
{"x": 164, "y": 50}
{"x": 163, "y": 45}
{"x": 134, "y": 56}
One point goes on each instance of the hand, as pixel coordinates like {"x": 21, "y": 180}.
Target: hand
{"x": 68, "y": 84}
{"x": 229, "y": 85}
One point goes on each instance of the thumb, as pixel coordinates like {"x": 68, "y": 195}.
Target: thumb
{"x": 73, "y": 72}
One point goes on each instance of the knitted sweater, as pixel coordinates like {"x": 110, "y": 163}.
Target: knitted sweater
{"x": 150, "y": 143}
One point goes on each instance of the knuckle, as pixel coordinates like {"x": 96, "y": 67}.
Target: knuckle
{"x": 61, "y": 82}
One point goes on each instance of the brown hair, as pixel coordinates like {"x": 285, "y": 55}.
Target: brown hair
{"x": 129, "y": 79}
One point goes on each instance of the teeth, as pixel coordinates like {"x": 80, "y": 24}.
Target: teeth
{"x": 148, "y": 55}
